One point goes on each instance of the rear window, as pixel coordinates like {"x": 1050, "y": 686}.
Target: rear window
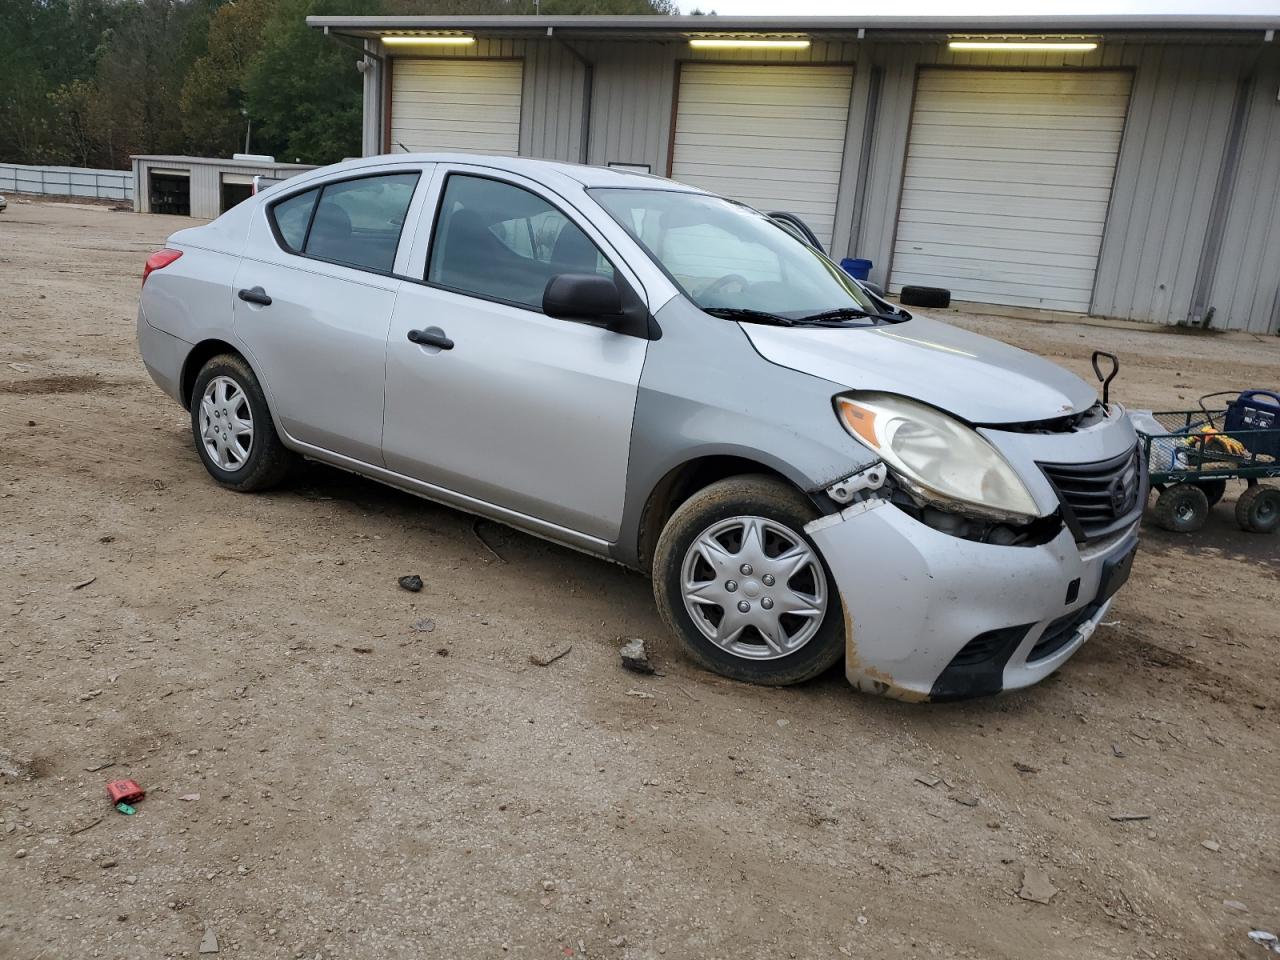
{"x": 356, "y": 223}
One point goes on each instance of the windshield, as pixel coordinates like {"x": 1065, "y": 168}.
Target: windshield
{"x": 732, "y": 261}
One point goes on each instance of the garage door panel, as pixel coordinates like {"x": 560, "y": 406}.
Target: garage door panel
{"x": 770, "y": 136}
{"x": 999, "y": 221}
{"x": 1016, "y": 138}
{"x": 1026, "y": 153}
{"x": 970, "y": 268}
{"x": 1058, "y": 125}
{"x": 1001, "y": 190}
{"x": 1024, "y": 82}
{"x": 470, "y": 106}
{"x": 917, "y": 237}
{"x": 1061, "y": 174}
{"x": 987, "y": 204}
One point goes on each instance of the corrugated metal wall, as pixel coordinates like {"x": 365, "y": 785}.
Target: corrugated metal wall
{"x": 1170, "y": 163}
{"x": 1245, "y": 293}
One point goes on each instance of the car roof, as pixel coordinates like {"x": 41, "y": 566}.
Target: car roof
{"x": 588, "y": 176}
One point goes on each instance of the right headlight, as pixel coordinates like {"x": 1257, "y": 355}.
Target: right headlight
{"x": 941, "y": 460}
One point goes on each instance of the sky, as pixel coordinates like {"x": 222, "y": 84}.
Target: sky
{"x": 905, "y": 8}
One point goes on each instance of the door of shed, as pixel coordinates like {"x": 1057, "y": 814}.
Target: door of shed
{"x": 1007, "y": 182}
{"x": 461, "y": 105}
{"x": 770, "y": 136}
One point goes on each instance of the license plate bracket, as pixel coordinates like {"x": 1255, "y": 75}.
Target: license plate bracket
{"x": 1115, "y": 571}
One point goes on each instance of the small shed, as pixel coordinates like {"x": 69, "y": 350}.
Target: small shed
{"x": 200, "y": 186}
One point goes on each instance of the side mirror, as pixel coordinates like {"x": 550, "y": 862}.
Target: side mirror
{"x": 600, "y": 301}
{"x": 581, "y": 296}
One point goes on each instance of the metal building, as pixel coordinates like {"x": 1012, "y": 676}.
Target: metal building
{"x": 1123, "y": 167}
{"x": 200, "y": 186}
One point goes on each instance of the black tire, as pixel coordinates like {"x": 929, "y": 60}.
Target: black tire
{"x": 1213, "y": 490}
{"x": 1182, "y": 508}
{"x": 925, "y": 297}
{"x": 743, "y": 496}
{"x": 268, "y": 462}
{"x": 1258, "y": 509}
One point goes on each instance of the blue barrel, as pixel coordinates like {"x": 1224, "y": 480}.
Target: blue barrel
{"x": 857, "y": 268}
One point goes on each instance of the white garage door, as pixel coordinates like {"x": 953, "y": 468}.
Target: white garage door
{"x": 772, "y": 137}
{"x": 1007, "y": 181}
{"x": 469, "y": 106}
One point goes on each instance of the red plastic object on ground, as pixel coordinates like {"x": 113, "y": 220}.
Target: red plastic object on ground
{"x": 125, "y": 791}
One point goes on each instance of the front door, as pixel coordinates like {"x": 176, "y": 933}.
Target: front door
{"x": 493, "y": 399}
{"x": 313, "y": 303}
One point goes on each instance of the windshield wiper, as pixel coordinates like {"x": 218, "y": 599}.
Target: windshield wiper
{"x": 749, "y": 315}
{"x": 847, "y": 313}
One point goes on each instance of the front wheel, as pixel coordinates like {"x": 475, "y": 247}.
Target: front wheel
{"x": 232, "y": 427}
{"x": 742, "y": 587}
{"x": 1258, "y": 509}
{"x": 1182, "y": 508}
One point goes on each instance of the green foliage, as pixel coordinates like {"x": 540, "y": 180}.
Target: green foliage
{"x": 90, "y": 82}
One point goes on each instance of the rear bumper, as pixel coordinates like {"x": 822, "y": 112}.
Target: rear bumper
{"x": 163, "y": 355}
{"x": 916, "y": 598}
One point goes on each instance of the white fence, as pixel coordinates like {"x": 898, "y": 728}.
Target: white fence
{"x": 67, "y": 181}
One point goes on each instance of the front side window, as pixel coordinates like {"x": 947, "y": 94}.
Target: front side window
{"x": 502, "y": 242}
{"x": 355, "y": 222}
{"x": 726, "y": 257}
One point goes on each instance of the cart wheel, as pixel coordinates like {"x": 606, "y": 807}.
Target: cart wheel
{"x": 1183, "y": 508}
{"x": 1258, "y": 509}
{"x": 1213, "y": 490}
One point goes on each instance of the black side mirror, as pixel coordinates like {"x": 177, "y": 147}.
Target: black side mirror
{"x": 581, "y": 296}
{"x": 591, "y": 298}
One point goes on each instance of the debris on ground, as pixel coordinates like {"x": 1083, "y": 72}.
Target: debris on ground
{"x": 16, "y": 767}
{"x": 635, "y": 657}
{"x": 965, "y": 799}
{"x": 100, "y": 766}
{"x": 1024, "y": 767}
{"x": 424, "y": 626}
{"x": 411, "y": 582}
{"x": 83, "y": 583}
{"x": 209, "y": 943}
{"x": 362, "y": 649}
{"x": 1235, "y": 905}
{"x": 546, "y": 658}
{"x": 641, "y": 694}
{"x": 124, "y": 794}
{"x": 1129, "y": 817}
{"x": 1267, "y": 939}
{"x": 1212, "y": 845}
{"x": 929, "y": 782}
{"x": 1036, "y": 886}
{"x": 189, "y": 797}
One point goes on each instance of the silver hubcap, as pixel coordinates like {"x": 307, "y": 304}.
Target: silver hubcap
{"x": 754, "y": 588}
{"x": 226, "y": 423}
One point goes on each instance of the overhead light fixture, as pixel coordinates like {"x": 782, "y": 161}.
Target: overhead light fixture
{"x": 726, "y": 43}
{"x": 1062, "y": 46}
{"x": 443, "y": 41}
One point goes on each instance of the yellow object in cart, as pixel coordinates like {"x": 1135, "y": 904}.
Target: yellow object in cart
{"x": 1216, "y": 440}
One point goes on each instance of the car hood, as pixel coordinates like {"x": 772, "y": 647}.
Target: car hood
{"x": 971, "y": 376}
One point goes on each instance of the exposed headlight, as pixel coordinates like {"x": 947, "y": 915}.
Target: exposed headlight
{"x": 940, "y": 459}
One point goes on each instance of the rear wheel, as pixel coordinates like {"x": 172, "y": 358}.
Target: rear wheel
{"x": 1182, "y": 508}
{"x": 232, "y": 427}
{"x": 742, "y": 587}
{"x": 1258, "y": 509}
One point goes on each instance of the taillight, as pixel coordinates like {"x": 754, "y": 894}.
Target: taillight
{"x": 158, "y": 261}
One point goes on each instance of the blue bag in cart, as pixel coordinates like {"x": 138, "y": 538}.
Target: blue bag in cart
{"x": 1256, "y": 410}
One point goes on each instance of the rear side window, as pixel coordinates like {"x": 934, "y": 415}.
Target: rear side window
{"x": 354, "y": 222}
{"x": 292, "y": 216}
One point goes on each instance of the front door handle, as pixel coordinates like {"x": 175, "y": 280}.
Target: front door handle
{"x": 255, "y": 295}
{"x": 431, "y": 337}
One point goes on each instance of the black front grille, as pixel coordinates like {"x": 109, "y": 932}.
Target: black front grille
{"x": 1061, "y": 632}
{"x": 1098, "y": 498}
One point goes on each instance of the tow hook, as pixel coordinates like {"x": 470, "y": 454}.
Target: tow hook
{"x": 868, "y": 478}
{"x": 1106, "y": 381}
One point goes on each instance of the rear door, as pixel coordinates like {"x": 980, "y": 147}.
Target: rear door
{"x": 314, "y": 299}
{"x": 523, "y": 411}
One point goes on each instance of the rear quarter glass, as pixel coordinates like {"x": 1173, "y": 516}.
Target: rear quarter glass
{"x": 291, "y": 217}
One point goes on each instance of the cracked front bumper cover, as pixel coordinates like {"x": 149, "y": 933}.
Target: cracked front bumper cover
{"x": 914, "y": 598}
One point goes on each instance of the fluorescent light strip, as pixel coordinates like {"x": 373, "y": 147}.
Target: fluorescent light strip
{"x": 726, "y": 44}
{"x": 436, "y": 41}
{"x": 1064, "y": 46}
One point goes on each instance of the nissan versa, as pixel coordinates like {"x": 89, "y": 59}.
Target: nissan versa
{"x": 656, "y": 375}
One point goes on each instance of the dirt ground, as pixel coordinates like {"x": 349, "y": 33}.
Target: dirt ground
{"x": 385, "y": 774}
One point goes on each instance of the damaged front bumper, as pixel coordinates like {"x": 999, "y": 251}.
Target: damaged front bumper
{"x": 929, "y": 616}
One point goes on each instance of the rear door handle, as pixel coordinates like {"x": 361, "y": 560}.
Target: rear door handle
{"x": 255, "y": 295}
{"x": 431, "y": 337}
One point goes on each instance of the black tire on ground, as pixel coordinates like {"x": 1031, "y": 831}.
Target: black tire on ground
{"x": 1213, "y": 490}
{"x": 1258, "y": 509}
{"x": 925, "y": 297}
{"x": 268, "y": 461}
{"x": 1182, "y": 508}
{"x": 743, "y": 496}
